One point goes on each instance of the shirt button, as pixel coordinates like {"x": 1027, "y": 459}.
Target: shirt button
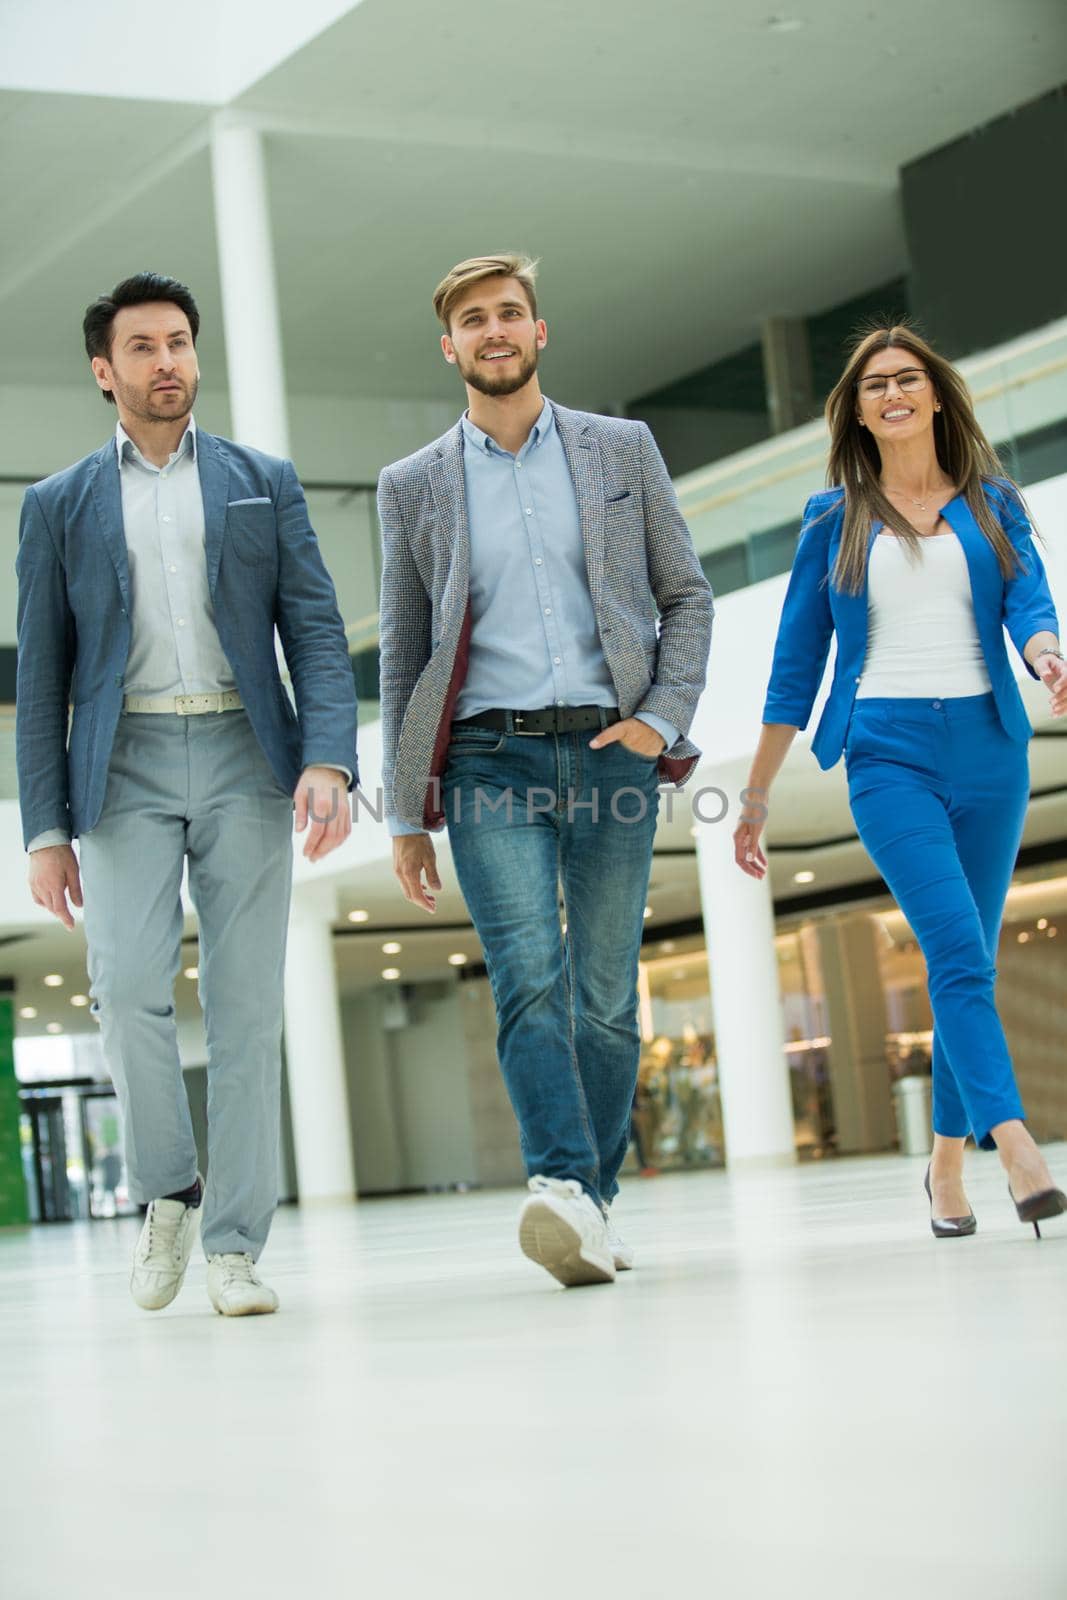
{"x": 858, "y": 680}
{"x": 556, "y": 661}
{"x": 937, "y": 705}
{"x": 548, "y": 611}
{"x": 181, "y": 622}
{"x": 166, "y": 519}
{"x": 518, "y": 466}
{"x": 538, "y": 562}
{"x": 172, "y": 569}
{"x": 529, "y": 511}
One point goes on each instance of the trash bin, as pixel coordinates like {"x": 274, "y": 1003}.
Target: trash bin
{"x": 911, "y": 1102}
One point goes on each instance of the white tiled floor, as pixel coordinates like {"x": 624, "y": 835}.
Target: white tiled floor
{"x": 798, "y": 1393}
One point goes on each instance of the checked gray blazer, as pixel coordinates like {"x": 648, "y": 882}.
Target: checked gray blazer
{"x": 652, "y": 602}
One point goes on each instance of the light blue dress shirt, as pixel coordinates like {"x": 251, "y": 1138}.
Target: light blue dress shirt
{"x": 534, "y": 639}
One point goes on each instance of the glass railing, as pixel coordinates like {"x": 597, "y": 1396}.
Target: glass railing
{"x": 744, "y": 512}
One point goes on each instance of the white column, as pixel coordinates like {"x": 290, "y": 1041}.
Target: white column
{"x": 314, "y": 1052}
{"x": 745, "y": 997}
{"x": 249, "y": 291}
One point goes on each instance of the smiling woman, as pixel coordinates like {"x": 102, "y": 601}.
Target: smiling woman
{"x": 895, "y": 395}
{"x": 925, "y": 708}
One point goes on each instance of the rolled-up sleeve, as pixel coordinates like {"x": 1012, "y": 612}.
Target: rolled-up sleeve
{"x": 1028, "y": 604}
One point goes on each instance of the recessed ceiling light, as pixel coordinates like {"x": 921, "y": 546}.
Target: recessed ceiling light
{"x": 28, "y": 1013}
{"x": 359, "y": 916}
{"x": 1042, "y": 923}
{"x": 79, "y": 999}
{"x": 667, "y": 946}
{"x": 392, "y": 948}
{"x": 803, "y": 877}
{"x": 191, "y": 972}
{"x": 54, "y": 1027}
{"x": 1024, "y": 937}
{"x": 458, "y": 959}
{"x": 390, "y": 973}
{"x": 53, "y": 981}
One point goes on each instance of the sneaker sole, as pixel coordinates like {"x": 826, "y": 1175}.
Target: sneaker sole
{"x": 247, "y": 1311}
{"x": 545, "y": 1237}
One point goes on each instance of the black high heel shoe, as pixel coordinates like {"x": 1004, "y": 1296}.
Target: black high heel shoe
{"x": 949, "y": 1227}
{"x": 1039, "y": 1207}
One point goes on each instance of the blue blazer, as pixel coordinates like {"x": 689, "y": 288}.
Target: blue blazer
{"x": 264, "y": 570}
{"x": 814, "y": 609}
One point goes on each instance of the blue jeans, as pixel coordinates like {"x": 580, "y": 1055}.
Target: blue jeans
{"x": 939, "y": 794}
{"x": 521, "y": 820}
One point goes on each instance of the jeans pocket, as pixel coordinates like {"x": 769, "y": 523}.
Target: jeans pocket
{"x": 475, "y": 741}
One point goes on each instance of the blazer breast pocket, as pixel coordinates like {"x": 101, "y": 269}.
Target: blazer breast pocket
{"x": 252, "y": 530}
{"x": 622, "y": 500}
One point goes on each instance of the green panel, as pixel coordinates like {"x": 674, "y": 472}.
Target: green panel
{"x": 12, "y": 1186}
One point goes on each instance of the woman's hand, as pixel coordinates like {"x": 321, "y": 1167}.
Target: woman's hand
{"x": 1053, "y": 674}
{"x": 747, "y": 852}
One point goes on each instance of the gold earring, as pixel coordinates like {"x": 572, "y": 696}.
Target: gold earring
{"x": 936, "y": 406}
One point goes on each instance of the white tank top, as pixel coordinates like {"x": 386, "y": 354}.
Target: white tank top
{"x": 922, "y": 639}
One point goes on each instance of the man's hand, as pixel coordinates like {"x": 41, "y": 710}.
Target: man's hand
{"x": 413, "y": 855}
{"x": 322, "y": 799}
{"x": 53, "y": 875}
{"x": 1053, "y": 674}
{"x": 632, "y": 734}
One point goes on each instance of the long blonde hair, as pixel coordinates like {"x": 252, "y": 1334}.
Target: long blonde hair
{"x": 963, "y": 452}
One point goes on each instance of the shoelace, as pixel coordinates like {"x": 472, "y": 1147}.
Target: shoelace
{"x": 240, "y": 1269}
{"x": 162, "y": 1234}
{"x": 569, "y": 1188}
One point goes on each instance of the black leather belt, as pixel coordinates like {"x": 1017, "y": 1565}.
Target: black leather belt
{"x": 552, "y": 719}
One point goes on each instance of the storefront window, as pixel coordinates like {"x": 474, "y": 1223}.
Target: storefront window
{"x": 875, "y": 982}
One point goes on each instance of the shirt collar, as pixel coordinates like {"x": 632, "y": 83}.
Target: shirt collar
{"x": 538, "y": 433}
{"x": 127, "y": 450}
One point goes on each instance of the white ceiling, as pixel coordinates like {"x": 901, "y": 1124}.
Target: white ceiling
{"x": 682, "y": 174}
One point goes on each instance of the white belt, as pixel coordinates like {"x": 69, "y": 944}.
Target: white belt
{"x": 184, "y": 705}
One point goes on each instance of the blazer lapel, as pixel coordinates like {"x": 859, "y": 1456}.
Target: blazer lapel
{"x": 850, "y": 610}
{"x": 107, "y": 497}
{"x": 583, "y": 458}
{"x": 450, "y": 522}
{"x": 214, "y": 469}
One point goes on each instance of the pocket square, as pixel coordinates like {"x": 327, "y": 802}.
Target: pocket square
{"x": 253, "y": 500}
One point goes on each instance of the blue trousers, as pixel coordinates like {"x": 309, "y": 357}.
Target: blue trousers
{"x": 939, "y": 792}
{"x": 530, "y": 818}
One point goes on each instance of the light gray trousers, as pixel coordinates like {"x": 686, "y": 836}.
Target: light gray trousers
{"x": 195, "y": 788}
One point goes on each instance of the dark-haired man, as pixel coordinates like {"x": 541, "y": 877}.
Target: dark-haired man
{"x": 529, "y": 698}
{"x": 151, "y": 577}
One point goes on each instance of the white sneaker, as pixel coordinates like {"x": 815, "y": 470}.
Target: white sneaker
{"x": 170, "y": 1231}
{"x": 562, "y": 1229}
{"x": 236, "y": 1289}
{"x": 621, "y": 1252}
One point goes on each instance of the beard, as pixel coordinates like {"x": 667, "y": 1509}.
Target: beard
{"x": 147, "y": 408}
{"x": 482, "y": 377}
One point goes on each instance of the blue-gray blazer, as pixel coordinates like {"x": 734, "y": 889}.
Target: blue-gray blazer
{"x": 264, "y": 570}
{"x": 814, "y": 609}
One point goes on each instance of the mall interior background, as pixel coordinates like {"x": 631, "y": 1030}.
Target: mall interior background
{"x": 706, "y": 291}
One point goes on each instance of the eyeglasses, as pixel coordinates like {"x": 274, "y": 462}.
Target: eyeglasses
{"x": 909, "y": 380}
